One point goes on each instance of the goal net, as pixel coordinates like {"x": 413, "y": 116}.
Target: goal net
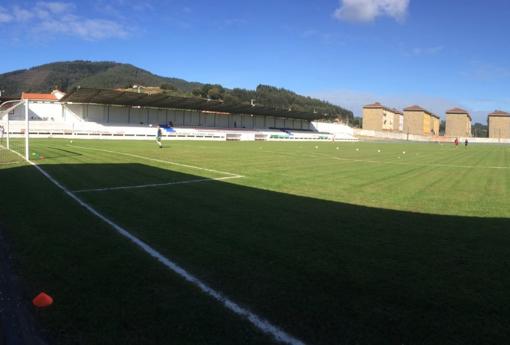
{"x": 14, "y": 132}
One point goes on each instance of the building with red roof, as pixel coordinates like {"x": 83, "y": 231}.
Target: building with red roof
{"x": 420, "y": 121}
{"x": 377, "y": 117}
{"x": 499, "y": 124}
{"x": 458, "y": 123}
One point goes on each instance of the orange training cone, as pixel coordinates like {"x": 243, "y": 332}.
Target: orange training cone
{"x": 42, "y": 300}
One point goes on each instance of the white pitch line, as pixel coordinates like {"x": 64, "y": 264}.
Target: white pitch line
{"x": 417, "y": 164}
{"x": 258, "y": 322}
{"x": 157, "y": 160}
{"x": 371, "y": 161}
{"x": 152, "y": 185}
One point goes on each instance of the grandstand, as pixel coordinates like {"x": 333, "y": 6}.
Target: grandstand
{"x": 93, "y": 113}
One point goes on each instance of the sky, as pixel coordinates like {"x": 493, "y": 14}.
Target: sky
{"x": 438, "y": 54}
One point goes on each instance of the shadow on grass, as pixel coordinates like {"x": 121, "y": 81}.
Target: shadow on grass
{"x": 326, "y": 272}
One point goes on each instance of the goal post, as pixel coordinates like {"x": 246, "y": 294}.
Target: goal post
{"x": 14, "y": 130}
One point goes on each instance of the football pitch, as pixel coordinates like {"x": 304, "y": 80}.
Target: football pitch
{"x": 330, "y": 243}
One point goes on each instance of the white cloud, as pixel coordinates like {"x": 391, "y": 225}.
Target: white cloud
{"x": 368, "y": 10}
{"x": 21, "y": 14}
{"x": 5, "y": 17}
{"x": 53, "y": 18}
{"x": 87, "y": 29}
{"x": 56, "y": 7}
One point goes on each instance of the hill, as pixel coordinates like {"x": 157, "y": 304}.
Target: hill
{"x": 109, "y": 75}
{"x": 66, "y": 75}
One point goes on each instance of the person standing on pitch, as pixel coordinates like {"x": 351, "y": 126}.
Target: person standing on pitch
{"x": 466, "y": 143}
{"x": 158, "y": 137}
{"x": 456, "y": 142}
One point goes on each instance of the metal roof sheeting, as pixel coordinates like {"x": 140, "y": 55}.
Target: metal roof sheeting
{"x": 164, "y": 100}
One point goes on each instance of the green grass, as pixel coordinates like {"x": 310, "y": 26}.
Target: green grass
{"x": 335, "y": 246}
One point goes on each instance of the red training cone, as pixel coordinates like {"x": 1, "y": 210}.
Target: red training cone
{"x": 42, "y": 300}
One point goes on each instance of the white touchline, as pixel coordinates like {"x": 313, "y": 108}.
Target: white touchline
{"x": 263, "y": 325}
{"x": 156, "y": 160}
{"x": 151, "y": 185}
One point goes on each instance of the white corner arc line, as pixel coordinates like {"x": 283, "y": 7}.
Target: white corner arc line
{"x": 258, "y": 322}
{"x": 156, "y": 160}
{"x": 155, "y": 185}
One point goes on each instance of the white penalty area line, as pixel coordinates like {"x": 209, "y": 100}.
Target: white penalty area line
{"x": 257, "y": 321}
{"x": 154, "y": 185}
{"x": 157, "y": 160}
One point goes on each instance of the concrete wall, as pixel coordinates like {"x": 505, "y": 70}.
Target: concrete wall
{"x": 373, "y": 119}
{"x": 458, "y": 125}
{"x": 499, "y": 127}
{"x": 398, "y": 122}
{"x": 387, "y": 120}
{"x": 377, "y": 119}
{"x": 435, "y": 122}
{"x": 414, "y": 122}
{"x": 427, "y": 124}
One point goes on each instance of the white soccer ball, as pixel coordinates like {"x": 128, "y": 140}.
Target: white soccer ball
{"x": 337, "y": 148}
{"x": 379, "y": 151}
{"x": 316, "y": 147}
{"x": 357, "y": 149}
{"x": 403, "y": 152}
{"x": 71, "y": 141}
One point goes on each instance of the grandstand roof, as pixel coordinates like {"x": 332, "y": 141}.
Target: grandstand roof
{"x": 164, "y": 100}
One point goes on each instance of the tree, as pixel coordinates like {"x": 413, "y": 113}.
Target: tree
{"x": 216, "y": 92}
{"x": 442, "y": 127}
{"x": 480, "y": 130}
{"x": 357, "y": 122}
{"x": 168, "y": 87}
